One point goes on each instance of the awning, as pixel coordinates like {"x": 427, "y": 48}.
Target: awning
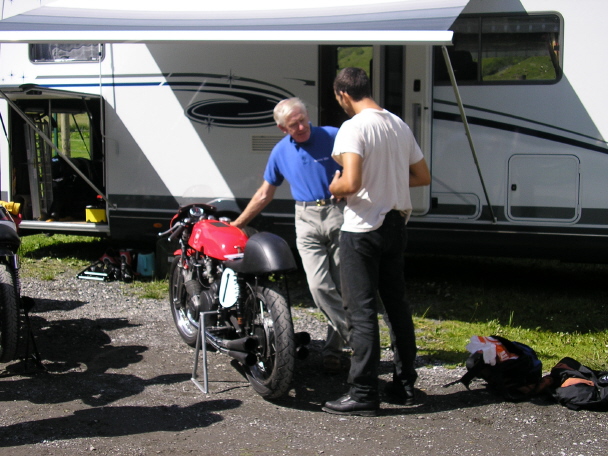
{"x": 315, "y": 21}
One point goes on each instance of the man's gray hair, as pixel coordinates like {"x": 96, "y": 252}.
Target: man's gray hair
{"x": 285, "y": 107}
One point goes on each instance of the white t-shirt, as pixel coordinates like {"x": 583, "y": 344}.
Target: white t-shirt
{"x": 388, "y": 148}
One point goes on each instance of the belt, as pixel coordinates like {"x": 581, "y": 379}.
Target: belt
{"x": 319, "y": 202}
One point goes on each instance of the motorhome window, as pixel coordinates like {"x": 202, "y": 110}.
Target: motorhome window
{"x": 355, "y": 56}
{"x": 65, "y": 53}
{"x": 464, "y": 54}
{"x": 501, "y": 49}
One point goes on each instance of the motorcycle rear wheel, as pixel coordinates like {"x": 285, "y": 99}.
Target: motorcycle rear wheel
{"x": 9, "y": 316}
{"x": 271, "y": 321}
{"x": 182, "y": 314}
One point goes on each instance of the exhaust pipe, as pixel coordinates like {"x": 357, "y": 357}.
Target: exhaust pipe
{"x": 244, "y": 344}
{"x": 247, "y": 359}
{"x": 302, "y": 338}
{"x": 301, "y": 352}
{"x": 239, "y": 349}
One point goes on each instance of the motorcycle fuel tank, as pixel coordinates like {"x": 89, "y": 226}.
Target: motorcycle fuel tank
{"x": 217, "y": 239}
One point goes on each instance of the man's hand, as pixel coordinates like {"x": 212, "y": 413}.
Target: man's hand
{"x": 336, "y": 178}
{"x": 349, "y": 181}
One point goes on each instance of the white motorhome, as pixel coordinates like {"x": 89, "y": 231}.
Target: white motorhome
{"x": 153, "y": 109}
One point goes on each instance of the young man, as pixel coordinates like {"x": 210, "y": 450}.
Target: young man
{"x": 303, "y": 157}
{"x": 381, "y": 161}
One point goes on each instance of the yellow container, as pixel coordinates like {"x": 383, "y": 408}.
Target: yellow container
{"x": 95, "y": 215}
{"x": 12, "y": 207}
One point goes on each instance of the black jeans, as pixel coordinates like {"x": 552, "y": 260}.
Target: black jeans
{"x": 372, "y": 265}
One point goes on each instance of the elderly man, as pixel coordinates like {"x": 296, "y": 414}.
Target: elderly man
{"x": 303, "y": 157}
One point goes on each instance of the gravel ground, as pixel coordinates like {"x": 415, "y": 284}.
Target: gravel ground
{"x": 118, "y": 383}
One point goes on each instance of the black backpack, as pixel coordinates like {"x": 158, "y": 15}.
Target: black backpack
{"x": 513, "y": 379}
{"x": 578, "y": 387}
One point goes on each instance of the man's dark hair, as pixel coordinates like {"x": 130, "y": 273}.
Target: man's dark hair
{"x": 354, "y": 82}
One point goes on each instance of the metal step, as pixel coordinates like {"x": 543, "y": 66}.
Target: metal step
{"x": 74, "y": 227}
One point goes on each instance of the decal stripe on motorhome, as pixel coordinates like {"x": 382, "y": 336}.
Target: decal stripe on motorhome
{"x": 511, "y": 116}
{"x": 439, "y": 115}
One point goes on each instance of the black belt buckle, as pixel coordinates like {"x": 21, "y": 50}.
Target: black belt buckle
{"x": 321, "y": 202}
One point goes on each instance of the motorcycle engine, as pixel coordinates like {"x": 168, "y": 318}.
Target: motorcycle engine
{"x": 201, "y": 299}
{"x": 208, "y": 298}
{"x": 205, "y": 300}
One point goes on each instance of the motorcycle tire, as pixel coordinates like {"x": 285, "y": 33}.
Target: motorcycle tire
{"x": 271, "y": 376}
{"x": 9, "y": 315}
{"x": 182, "y": 317}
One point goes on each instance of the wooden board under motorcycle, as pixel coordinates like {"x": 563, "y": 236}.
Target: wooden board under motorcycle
{"x": 219, "y": 269}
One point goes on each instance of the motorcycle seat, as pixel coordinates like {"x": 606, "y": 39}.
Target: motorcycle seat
{"x": 264, "y": 253}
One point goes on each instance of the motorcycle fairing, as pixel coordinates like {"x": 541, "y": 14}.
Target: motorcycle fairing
{"x": 184, "y": 211}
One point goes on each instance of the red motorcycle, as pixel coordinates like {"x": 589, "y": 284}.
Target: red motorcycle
{"x": 232, "y": 279}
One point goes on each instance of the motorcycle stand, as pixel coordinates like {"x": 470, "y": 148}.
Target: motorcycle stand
{"x": 30, "y": 351}
{"x": 201, "y": 330}
{"x": 34, "y": 355}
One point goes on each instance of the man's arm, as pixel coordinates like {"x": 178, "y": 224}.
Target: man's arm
{"x": 350, "y": 181}
{"x": 419, "y": 174}
{"x": 259, "y": 201}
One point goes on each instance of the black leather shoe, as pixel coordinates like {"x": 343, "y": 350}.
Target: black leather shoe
{"x": 399, "y": 394}
{"x": 348, "y": 406}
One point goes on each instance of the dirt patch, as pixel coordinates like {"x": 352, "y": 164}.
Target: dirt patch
{"x": 118, "y": 382}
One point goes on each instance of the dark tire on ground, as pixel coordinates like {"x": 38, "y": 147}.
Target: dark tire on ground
{"x": 9, "y": 316}
{"x": 179, "y": 310}
{"x": 272, "y": 375}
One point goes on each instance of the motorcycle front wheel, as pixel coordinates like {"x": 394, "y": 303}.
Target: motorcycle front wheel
{"x": 183, "y": 316}
{"x": 9, "y": 315}
{"x": 271, "y": 322}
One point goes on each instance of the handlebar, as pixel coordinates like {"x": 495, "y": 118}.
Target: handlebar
{"x": 175, "y": 231}
{"x": 164, "y": 233}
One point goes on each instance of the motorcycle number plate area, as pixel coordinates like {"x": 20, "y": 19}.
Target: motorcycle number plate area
{"x": 229, "y": 288}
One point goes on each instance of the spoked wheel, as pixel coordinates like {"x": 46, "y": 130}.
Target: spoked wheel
{"x": 186, "y": 320}
{"x": 271, "y": 321}
{"x": 9, "y": 316}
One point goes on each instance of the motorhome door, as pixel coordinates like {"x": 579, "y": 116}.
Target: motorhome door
{"x": 401, "y": 83}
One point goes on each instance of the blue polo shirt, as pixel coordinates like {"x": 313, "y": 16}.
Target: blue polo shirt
{"x": 308, "y": 167}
